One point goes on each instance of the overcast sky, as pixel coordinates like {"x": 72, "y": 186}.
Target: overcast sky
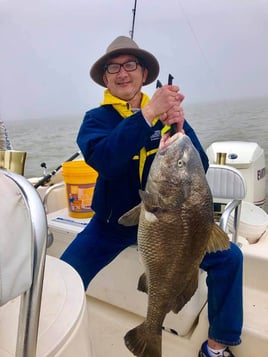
{"x": 215, "y": 49}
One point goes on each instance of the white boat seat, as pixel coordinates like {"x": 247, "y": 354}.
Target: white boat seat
{"x": 61, "y": 327}
{"x": 228, "y": 187}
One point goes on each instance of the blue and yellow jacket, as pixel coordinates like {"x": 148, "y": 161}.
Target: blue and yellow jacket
{"x": 121, "y": 151}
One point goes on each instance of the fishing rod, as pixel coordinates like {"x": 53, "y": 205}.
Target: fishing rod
{"x": 173, "y": 127}
{"x": 48, "y": 177}
{"x": 133, "y": 21}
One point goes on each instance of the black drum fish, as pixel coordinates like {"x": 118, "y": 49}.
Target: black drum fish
{"x": 175, "y": 229}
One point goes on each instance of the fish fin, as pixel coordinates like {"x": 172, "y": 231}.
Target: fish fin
{"x": 150, "y": 201}
{"x": 143, "y": 344}
{"x": 186, "y": 295}
{"x": 142, "y": 284}
{"x": 218, "y": 240}
{"x": 131, "y": 218}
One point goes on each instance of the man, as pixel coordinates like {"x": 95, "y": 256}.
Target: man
{"x": 119, "y": 140}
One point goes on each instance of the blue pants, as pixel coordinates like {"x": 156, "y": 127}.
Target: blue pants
{"x": 99, "y": 243}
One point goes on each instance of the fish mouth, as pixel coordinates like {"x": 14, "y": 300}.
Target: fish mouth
{"x": 167, "y": 140}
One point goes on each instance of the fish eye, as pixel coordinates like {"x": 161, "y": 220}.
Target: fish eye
{"x": 180, "y": 163}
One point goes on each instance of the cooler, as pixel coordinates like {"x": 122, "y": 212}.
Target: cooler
{"x": 64, "y": 229}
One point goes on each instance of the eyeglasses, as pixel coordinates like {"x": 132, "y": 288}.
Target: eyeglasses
{"x": 113, "y": 68}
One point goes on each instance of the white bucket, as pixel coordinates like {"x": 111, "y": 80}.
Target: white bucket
{"x": 253, "y": 222}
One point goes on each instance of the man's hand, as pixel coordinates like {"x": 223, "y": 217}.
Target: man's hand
{"x": 164, "y": 103}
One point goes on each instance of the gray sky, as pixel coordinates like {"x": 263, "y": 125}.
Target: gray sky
{"x": 215, "y": 49}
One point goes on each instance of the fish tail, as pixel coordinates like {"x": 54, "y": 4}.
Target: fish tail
{"x": 142, "y": 343}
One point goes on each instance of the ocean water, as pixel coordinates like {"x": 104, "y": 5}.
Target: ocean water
{"x": 53, "y": 140}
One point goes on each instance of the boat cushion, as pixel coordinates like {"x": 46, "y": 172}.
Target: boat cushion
{"x": 15, "y": 254}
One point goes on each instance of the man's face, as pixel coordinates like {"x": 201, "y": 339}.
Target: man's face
{"x": 125, "y": 84}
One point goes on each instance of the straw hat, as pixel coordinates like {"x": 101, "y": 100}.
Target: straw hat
{"x": 125, "y": 45}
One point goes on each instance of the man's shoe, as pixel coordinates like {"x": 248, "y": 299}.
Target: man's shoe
{"x": 204, "y": 352}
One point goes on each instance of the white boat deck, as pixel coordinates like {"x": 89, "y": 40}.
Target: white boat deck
{"x": 109, "y": 324}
